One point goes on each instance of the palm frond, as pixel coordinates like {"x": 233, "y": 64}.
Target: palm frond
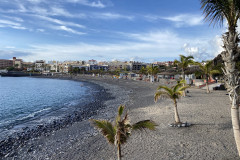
{"x": 176, "y": 62}
{"x": 216, "y": 11}
{"x": 213, "y": 11}
{"x": 106, "y": 128}
{"x": 183, "y": 88}
{"x": 178, "y": 85}
{"x": 161, "y": 94}
{"x": 120, "y": 110}
{"x": 167, "y": 89}
{"x": 215, "y": 72}
{"x": 145, "y": 124}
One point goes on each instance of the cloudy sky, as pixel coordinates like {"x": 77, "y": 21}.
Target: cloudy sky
{"x": 141, "y": 30}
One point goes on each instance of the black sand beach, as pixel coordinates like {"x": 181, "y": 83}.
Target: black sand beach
{"x": 210, "y": 137}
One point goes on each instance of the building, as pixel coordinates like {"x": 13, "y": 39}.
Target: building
{"x": 39, "y": 65}
{"x": 4, "y": 63}
{"x": 17, "y": 63}
{"x": 114, "y": 65}
{"x": 167, "y": 63}
{"x": 98, "y": 67}
{"x": 92, "y": 62}
{"x": 136, "y": 66}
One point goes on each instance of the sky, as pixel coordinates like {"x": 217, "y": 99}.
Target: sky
{"x": 106, "y": 30}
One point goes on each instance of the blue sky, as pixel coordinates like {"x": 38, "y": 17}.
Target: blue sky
{"x": 141, "y": 30}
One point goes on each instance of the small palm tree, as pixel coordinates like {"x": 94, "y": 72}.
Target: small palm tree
{"x": 183, "y": 64}
{"x": 119, "y": 132}
{"x": 173, "y": 93}
{"x": 207, "y": 71}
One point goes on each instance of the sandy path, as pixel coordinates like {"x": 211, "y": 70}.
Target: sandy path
{"x": 209, "y": 138}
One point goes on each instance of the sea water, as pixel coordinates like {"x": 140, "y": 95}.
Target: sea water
{"x": 26, "y": 99}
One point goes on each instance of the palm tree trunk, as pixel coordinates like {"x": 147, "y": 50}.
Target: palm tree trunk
{"x": 119, "y": 151}
{"x": 177, "y": 119}
{"x": 183, "y": 75}
{"x": 230, "y": 40}
{"x": 208, "y": 91}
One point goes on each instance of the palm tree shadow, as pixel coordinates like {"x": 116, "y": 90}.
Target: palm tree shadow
{"x": 220, "y": 126}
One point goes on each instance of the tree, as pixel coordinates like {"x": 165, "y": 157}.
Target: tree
{"x": 207, "y": 71}
{"x": 119, "y": 132}
{"x": 183, "y": 64}
{"x": 152, "y": 70}
{"x": 216, "y": 11}
{"x": 173, "y": 93}
{"x": 143, "y": 70}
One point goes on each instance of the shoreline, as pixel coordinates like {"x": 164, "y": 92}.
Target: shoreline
{"x": 210, "y": 137}
{"x": 82, "y": 112}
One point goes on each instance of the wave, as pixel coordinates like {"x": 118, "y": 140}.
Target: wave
{"x": 31, "y": 115}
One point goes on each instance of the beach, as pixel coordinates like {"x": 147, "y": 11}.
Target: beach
{"x": 209, "y": 137}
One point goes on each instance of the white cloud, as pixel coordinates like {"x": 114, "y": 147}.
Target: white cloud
{"x": 179, "y": 20}
{"x": 10, "y": 47}
{"x": 204, "y": 50}
{"x": 186, "y": 19}
{"x": 151, "y": 46}
{"x": 97, "y": 4}
{"x": 134, "y": 46}
{"x": 41, "y": 30}
{"x": 57, "y": 21}
{"x": 64, "y": 28}
{"x": 217, "y": 44}
{"x": 109, "y": 15}
{"x": 36, "y": 1}
{"x": 11, "y": 24}
{"x": 60, "y": 11}
{"x": 18, "y": 19}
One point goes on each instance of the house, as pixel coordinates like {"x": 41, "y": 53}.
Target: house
{"x": 118, "y": 65}
{"x": 4, "y": 63}
{"x": 40, "y": 65}
{"x": 136, "y": 66}
{"x": 17, "y": 62}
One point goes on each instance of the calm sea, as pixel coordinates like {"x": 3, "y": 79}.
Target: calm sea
{"x": 36, "y": 100}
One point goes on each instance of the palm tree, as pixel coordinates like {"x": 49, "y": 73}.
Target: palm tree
{"x": 119, "y": 132}
{"x": 173, "y": 93}
{"x": 183, "y": 64}
{"x": 152, "y": 70}
{"x": 207, "y": 71}
{"x": 143, "y": 70}
{"x": 216, "y": 11}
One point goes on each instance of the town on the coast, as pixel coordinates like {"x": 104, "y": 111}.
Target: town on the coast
{"x": 152, "y": 72}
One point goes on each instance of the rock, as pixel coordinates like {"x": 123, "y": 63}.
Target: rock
{"x": 183, "y": 125}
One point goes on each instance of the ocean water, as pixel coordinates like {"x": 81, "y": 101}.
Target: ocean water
{"x": 26, "y": 100}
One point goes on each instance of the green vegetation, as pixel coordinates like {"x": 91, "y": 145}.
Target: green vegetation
{"x": 183, "y": 65}
{"x": 173, "y": 93}
{"x": 119, "y": 132}
{"x": 207, "y": 71}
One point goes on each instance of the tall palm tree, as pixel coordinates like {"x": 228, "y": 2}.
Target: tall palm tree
{"x": 119, "y": 132}
{"x": 143, "y": 70}
{"x": 207, "y": 71}
{"x": 152, "y": 70}
{"x": 173, "y": 93}
{"x": 183, "y": 64}
{"x": 216, "y": 11}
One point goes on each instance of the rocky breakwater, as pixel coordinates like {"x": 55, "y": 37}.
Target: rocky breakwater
{"x": 10, "y": 145}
